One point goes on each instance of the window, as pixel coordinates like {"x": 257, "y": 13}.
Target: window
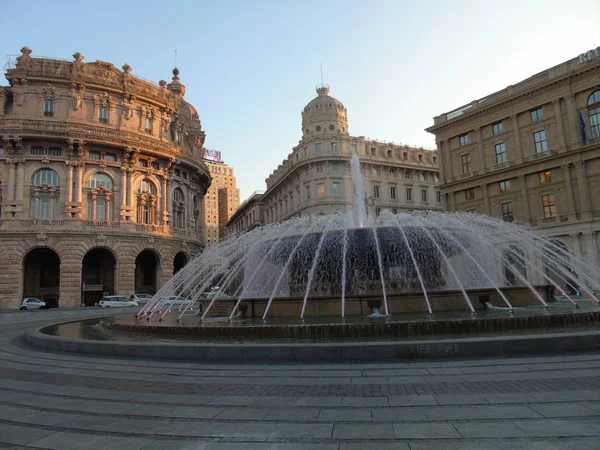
{"x": 549, "y": 204}
{"x": 594, "y": 114}
{"x": 545, "y": 177}
{"x": 424, "y": 195}
{"x": 318, "y": 147}
{"x": 178, "y": 208}
{"x": 539, "y": 138}
{"x": 1, "y": 150}
{"x": 48, "y": 107}
{"x": 103, "y": 114}
{"x": 469, "y": 194}
{"x": 500, "y": 150}
{"x": 439, "y": 196}
{"x": 334, "y": 147}
{"x": 147, "y": 187}
{"x": 37, "y": 151}
{"x": 177, "y": 137}
{"x": 504, "y": 186}
{"x": 307, "y": 191}
{"x": 420, "y": 158}
{"x": 497, "y": 128}
{"x": 408, "y": 193}
{"x": 177, "y": 172}
{"x": 143, "y": 163}
{"x": 320, "y": 190}
{"x": 148, "y": 125}
{"x": 463, "y": 139}
{"x": 537, "y": 114}
{"x": 155, "y": 165}
{"x": 354, "y": 149}
{"x": 45, "y": 194}
{"x": 393, "y": 192}
{"x": 100, "y": 179}
{"x": 110, "y": 157}
{"x": 319, "y": 168}
{"x": 375, "y": 172}
{"x": 146, "y": 202}
{"x": 376, "y": 191}
{"x": 389, "y": 153}
{"x": 94, "y": 155}
{"x": 465, "y": 161}
{"x": 373, "y": 151}
{"x": 405, "y": 155}
{"x": 377, "y": 212}
{"x": 392, "y": 172}
{"x": 335, "y": 189}
{"x": 507, "y": 211}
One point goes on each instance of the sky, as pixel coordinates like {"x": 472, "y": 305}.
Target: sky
{"x": 250, "y": 66}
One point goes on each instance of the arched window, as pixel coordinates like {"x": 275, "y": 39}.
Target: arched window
{"x": 45, "y": 195}
{"x": 146, "y": 205}
{"x": 178, "y": 209}
{"x": 594, "y": 114}
{"x": 100, "y": 198}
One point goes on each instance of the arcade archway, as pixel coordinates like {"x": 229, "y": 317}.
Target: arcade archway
{"x": 147, "y": 272}
{"x": 97, "y": 275}
{"x": 41, "y": 276}
{"x": 179, "y": 262}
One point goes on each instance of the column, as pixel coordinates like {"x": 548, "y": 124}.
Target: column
{"x": 571, "y": 207}
{"x": 573, "y": 121}
{"x": 440, "y": 156}
{"x": 517, "y": 135}
{"x": 480, "y": 148}
{"x": 525, "y": 194}
{"x": 11, "y": 180}
{"x": 93, "y": 207}
{"x": 448, "y": 154}
{"x": 69, "y": 182}
{"x": 107, "y": 206}
{"x": 486, "y": 199}
{"x": 123, "y": 186}
{"x": 584, "y": 191}
{"x": 129, "y": 187}
{"x": 164, "y": 207}
{"x": 78, "y": 184}
{"x": 20, "y": 180}
{"x": 559, "y": 122}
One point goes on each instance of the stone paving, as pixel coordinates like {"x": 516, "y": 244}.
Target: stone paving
{"x": 68, "y": 401}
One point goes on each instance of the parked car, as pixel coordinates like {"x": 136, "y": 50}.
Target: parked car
{"x": 179, "y": 302}
{"x": 142, "y": 299}
{"x": 33, "y": 303}
{"x": 116, "y": 301}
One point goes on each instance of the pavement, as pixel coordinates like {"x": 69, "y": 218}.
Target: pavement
{"x": 52, "y": 400}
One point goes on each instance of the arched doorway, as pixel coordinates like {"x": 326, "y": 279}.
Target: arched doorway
{"x": 97, "y": 275}
{"x": 179, "y": 262}
{"x": 147, "y": 270}
{"x": 41, "y": 276}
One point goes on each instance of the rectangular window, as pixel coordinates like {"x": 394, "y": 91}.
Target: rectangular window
{"x": 393, "y": 192}
{"x": 334, "y": 147}
{"x": 439, "y": 196}
{"x": 376, "y": 191}
{"x": 318, "y": 147}
{"x": 594, "y": 115}
{"x": 48, "y": 107}
{"x": 545, "y": 177}
{"x": 103, "y": 114}
{"x": 54, "y": 151}
{"x": 408, "y": 194}
{"x": 308, "y": 191}
{"x": 539, "y": 138}
{"x": 319, "y": 168}
{"x": 44, "y": 207}
{"x": 155, "y": 165}
{"x": 37, "y": 150}
{"x": 507, "y": 212}
{"x": 392, "y": 173}
{"x": 377, "y": 212}
{"x": 465, "y": 161}
{"x": 389, "y": 153}
{"x": 469, "y": 194}
{"x": 504, "y": 186}
{"x": 537, "y": 114}
{"x": 373, "y": 151}
{"x": 335, "y": 189}
{"x": 110, "y": 157}
{"x": 424, "y": 195}
{"x": 320, "y": 190}
{"x": 94, "y": 155}
{"x": 354, "y": 149}
{"x": 1, "y": 150}
{"x": 405, "y": 155}
{"x": 148, "y": 125}
{"x": 549, "y": 205}
{"x": 497, "y": 128}
{"x": 463, "y": 139}
{"x": 500, "y": 150}
{"x": 374, "y": 172}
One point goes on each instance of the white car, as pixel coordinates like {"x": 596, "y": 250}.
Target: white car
{"x": 117, "y": 301}
{"x": 142, "y": 299}
{"x": 32, "y": 303}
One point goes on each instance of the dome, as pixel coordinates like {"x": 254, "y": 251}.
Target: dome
{"x": 324, "y": 115}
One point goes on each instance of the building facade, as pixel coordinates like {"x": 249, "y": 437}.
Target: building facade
{"x": 249, "y": 215}
{"x": 315, "y": 177}
{"x": 531, "y": 153}
{"x": 101, "y": 181}
{"x": 222, "y": 198}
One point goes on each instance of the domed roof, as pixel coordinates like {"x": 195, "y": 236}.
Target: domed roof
{"x": 324, "y": 113}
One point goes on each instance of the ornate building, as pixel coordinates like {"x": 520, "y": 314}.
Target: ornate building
{"x": 531, "y": 153}
{"x": 101, "y": 181}
{"x": 315, "y": 178}
{"x": 222, "y": 198}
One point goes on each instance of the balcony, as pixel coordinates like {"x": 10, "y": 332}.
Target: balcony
{"x": 28, "y": 223}
{"x": 151, "y": 228}
{"x": 101, "y": 224}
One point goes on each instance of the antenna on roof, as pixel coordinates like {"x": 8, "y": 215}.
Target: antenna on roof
{"x": 321, "y": 74}
{"x": 175, "y": 62}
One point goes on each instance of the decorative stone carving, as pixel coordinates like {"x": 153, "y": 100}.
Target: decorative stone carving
{"x": 103, "y": 99}
{"x": 101, "y": 239}
{"x": 77, "y": 91}
{"x": 126, "y": 68}
{"x": 128, "y": 106}
{"x": 24, "y": 60}
{"x": 48, "y": 92}
{"x": 42, "y": 238}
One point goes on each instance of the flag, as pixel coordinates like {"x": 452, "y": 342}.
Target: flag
{"x": 582, "y": 125}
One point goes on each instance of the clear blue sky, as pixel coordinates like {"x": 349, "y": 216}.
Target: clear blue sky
{"x": 250, "y": 66}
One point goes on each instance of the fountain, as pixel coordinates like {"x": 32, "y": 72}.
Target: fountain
{"x": 377, "y": 267}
